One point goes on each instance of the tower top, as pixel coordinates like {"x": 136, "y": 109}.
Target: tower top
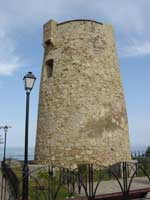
{"x": 74, "y": 20}
{"x": 50, "y": 28}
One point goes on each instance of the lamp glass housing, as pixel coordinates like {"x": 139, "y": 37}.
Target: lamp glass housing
{"x": 29, "y": 80}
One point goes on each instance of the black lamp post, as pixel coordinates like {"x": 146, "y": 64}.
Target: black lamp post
{"x": 29, "y": 80}
{"x": 5, "y": 128}
{"x": 5, "y": 132}
{"x": 3, "y": 181}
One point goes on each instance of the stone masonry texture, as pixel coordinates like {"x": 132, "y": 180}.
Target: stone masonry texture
{"x": 82, "y": 115}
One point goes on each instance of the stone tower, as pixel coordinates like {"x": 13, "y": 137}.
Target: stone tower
{"x": 82, "y": 116}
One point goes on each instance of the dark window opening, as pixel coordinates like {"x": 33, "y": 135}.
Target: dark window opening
{"x": 47, "y": 42}
{"x": 49, "y": 67}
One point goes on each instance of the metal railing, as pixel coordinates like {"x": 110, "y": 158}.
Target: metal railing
{"x": 10, "y": 180}
{"x": 90, "y": 181}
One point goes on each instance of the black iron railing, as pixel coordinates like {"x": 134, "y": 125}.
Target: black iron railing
{"x": 11, "y": 179}
{"x": 86, "y": 181}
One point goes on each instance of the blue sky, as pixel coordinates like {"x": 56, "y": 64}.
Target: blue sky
{"x": 21, "y": 51}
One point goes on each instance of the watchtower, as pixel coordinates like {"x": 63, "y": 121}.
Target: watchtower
{"x": 82, "y": 115}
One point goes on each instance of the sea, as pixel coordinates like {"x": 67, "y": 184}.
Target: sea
{"x": 17, "y": 153}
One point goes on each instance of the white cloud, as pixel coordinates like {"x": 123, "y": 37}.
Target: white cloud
{"x": 134, "y": 49}
{"x": 126, "y": 15}
{"x": 130, "y": 19}
{"x": 9, "y": 60}
{"x": 8, "y": 68}
{"x": 129, "y": 15}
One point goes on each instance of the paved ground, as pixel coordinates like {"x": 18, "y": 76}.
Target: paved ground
{"x": 112, "y": 186}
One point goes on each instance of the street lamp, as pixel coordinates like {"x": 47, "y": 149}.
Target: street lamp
{"x": 5, "y": 128}
{"x": 29, "y": 80}
{"x": 3, "y": 181}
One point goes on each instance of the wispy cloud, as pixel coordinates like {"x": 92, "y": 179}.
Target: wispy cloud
{"x": 129, "y": 18}
{"x": 134, "y": 49}
{"x": 127, "y": 15}
{"x": 9, "y": 60}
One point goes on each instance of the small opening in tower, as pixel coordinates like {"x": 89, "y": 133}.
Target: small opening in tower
{"x": 49, "y": 67}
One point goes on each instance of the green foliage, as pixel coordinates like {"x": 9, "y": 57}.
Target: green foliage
{"x": 43, "y": 175}
{"x": 82, "y": 169}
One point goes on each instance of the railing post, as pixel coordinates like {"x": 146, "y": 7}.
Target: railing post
{"x": 90, "y": 175}
{"x": 49, "y": 185}
{"x": 125, "y": 182}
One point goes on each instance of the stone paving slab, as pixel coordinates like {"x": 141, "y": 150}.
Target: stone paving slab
{"x": 112, "y": 186}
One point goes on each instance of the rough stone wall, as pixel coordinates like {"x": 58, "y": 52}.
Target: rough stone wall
{"x": 82, "y": 116}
